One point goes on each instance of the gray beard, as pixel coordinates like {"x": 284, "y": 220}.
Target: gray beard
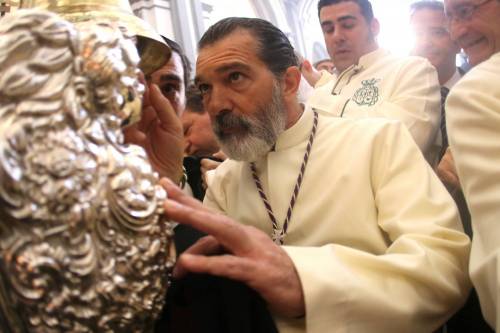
{"x": 259, "y": 131}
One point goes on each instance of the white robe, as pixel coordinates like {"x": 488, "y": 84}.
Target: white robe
{"x": 473, "y": 121}
{"x": 374, "y": 235}
{"x": 383, "y": 85}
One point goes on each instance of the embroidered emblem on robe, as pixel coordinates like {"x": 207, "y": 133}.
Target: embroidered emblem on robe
{"x": 368, "y": 94}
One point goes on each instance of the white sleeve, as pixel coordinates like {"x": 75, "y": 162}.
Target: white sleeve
{"x": 473, "y": 119}
{"x": 416, "y": 102}
{"x": 419, "y": 281}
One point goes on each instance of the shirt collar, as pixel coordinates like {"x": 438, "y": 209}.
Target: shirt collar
{"x": 368, "y": 59}
{"x": 296, "y": 134}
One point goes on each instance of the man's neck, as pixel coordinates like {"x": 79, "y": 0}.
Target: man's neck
{"x": 446, "y": 72}
{"x": 294, "y": 113}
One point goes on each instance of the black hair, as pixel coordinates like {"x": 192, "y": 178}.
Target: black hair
{"x": 186, "y": 64}
{"x": 426, "y": 4}
{"x": 364, "y": 5}
{"x": 274, "y": 48}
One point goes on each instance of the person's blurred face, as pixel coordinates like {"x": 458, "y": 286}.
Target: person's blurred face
{"x": 326, "y": 65}
{"x": 348, "y": 35}
{"x": 432, "y": 39}
{"x": 198, "y": 136}
{"x": 170, "y": 80}
{"x": 475, "y": 26}
{"x": 241, "y": 95}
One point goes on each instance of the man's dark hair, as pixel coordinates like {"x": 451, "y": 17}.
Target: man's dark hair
{"x": 194, "y": 100}
{"x": 186, "y": 64}
{"x": 426, "y": 4}
{"x": 274, "y": 48}
{"x": 364, "y": 5}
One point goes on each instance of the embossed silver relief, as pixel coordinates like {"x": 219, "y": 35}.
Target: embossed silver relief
{"x": 83, "y": 242}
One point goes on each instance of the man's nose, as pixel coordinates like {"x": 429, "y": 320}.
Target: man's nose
{"x": 338, "y": 36}
{"x": 220, "y": 99}
{"x": 423, "y": 41}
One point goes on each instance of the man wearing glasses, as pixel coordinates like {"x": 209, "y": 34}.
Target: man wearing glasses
{"x": 474, "y": 134}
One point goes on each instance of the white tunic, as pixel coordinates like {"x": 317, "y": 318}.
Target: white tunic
{"x": 473, "y": 121}
{"x": 374, "y": 235}
{"x": 383, "y": 85}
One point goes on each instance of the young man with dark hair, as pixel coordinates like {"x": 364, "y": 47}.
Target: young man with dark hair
{"x": 473, "y": 121}
{"x": 324, "y": 234}
{"x": 370, "y": 82}
{"x": 173, "y": 77}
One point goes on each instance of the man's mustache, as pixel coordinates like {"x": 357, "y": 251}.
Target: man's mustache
{"x": 226, "y": 120}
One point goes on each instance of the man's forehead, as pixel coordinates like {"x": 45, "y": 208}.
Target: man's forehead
{"x": 340, "y": 11}
{"x": 428, "y": 17}
{"x": 173, "y": 66}
{"x": 235, "y": 48}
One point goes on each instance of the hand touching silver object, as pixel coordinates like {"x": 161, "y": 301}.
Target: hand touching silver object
{"x": 84, "y": 246}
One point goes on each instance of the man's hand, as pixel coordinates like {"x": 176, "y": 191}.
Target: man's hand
{"x": 207, "y": 164}
{"x": 160, "y": 133}
{"x": 447, "y": 173}
{"x": 310, "y": 73}
{"x": 237, "y": 252}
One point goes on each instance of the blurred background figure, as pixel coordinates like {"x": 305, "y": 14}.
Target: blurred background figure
{"x": 433, "y": 41}
{"x": 198, "y": 135}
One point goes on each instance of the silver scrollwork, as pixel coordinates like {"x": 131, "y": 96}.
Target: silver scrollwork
{"x": 84, "y": 246}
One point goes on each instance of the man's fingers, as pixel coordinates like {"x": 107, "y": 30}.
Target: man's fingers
{"x": 232, "y": 235}
{"x": 229, "y": 266}
{"x": 207, "y": 245}
{"x": 220, "y": 154}
{"x": 208, "y": 164}
{"x": 164, "y": 110}
{"x": 147, "y": 117}
{"x": 134, "y": 136}
{"x": 175, "y": 193}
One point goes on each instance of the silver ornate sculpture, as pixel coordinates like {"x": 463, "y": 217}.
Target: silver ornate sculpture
{"x": 84, "y": 246}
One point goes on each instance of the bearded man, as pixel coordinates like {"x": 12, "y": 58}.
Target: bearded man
{"x": 323, "y": 232}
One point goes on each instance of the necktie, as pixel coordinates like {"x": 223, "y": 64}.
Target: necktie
{"x": 444, "y": 94}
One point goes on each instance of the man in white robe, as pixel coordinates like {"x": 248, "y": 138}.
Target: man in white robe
{"x": 373, "y": 242}
{"x": 370, "y": 82}
{"x": 474, "y": 126}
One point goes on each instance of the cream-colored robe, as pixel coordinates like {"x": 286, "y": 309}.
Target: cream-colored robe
{"x": 374, "y": 236}
{"x": 473, "y": 121}
{"x": 383, "y": 85}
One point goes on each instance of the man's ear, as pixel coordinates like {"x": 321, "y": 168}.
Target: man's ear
{"x": 375, "y": 27}
{"x": 291, "y": 82}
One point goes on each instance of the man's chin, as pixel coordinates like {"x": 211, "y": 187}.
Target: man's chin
{"x": 246, "y": 152}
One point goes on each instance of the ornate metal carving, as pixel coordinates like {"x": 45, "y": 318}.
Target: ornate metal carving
{"x": 84, "y": 246}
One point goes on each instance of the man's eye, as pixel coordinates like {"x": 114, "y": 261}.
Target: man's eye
{"x": 169, "y": 89}
{"x": 203, "y": 88}
{"x": 348, "y": 26}
{"x": 236, "y": 76}
{"x": 328, "y": 28}
{"x": 463, "y": 12}
{"x": 440, "y": 32}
